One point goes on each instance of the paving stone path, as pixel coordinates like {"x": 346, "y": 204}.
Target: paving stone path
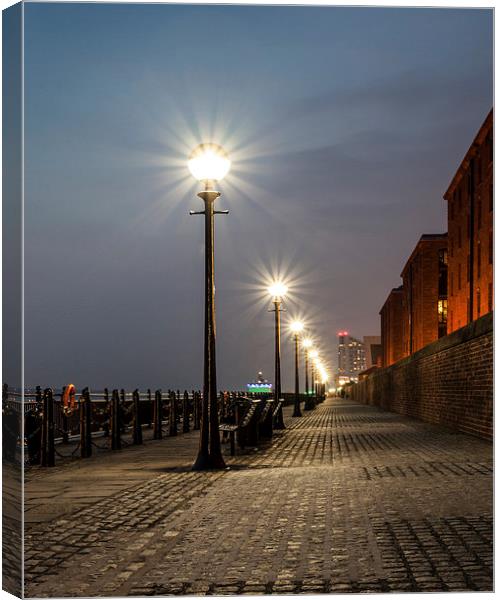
{"x": 348, "y": 498}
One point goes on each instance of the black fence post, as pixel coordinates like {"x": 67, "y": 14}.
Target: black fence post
{"x": 185, "y": 413}
{"x": 150, "y": 412}
{"x": 45, "y": 430}
{"x": 51, "y": 453}
{"x": 64, "y": 418}
{"x": 137, "y": 430}
{"x": 106, "y": 423}
{"x": 173, "y": 413}
{"x": 88, "y": 421}
{"x": 196, "y": 411}
{"x": 34, "y": 430}
{"x": 157, "y": 416}
{"x": 116, "y": 442}
{"x": 83, "y": 439}
{"x": 121, "y": 411}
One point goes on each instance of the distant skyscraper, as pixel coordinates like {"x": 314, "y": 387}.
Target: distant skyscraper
{"x": 352, "y": 357}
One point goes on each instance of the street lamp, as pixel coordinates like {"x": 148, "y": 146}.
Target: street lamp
{"x": 307, "y": 344}
{"x": 208, "y": 164}
{"x": 314, "y": 355}
{"x": 297, "y": 327}
{"x": 277, "y": 290}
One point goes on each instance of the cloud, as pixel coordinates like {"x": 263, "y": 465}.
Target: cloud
{"x": 410, "y": 90}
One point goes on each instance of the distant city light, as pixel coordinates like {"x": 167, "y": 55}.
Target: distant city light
{"x": 259, "y": 387}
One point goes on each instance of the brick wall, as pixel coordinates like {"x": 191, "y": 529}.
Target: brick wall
{"x": 449, "y": 382}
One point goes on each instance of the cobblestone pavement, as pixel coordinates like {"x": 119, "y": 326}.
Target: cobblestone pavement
{"x": 348, "y": 498}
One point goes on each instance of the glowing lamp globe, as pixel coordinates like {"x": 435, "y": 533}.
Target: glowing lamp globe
{"x": 307, "y": 343}
{"x": 209, "y": 162}
{"x": 314, "y": 354}
{"x": 297, "y": 326}
{"x": 277, "y": 289}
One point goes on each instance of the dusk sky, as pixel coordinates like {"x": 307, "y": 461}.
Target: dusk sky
{"x": 344, "y": 127}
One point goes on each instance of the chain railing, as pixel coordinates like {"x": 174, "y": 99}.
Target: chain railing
{"x": 55, "y": 429}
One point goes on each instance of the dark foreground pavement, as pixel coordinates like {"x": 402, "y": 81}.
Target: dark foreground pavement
{"x": 348, "y": 499}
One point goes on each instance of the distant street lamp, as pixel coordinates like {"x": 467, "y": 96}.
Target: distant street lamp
{"x": 208, "y": 164}
{"x": 314, "y": 355}
{"x": 296, "y": 328}
{"x": 277, "y": 291}
{"x": 307, "y": 343}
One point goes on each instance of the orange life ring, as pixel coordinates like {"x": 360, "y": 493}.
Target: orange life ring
{"x": 69, "y": 399}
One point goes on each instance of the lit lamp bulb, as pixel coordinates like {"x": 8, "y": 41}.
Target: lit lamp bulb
{"x": 209, "y": 162}
{"x": 297, "y": 327}
{"x": 277, "y": 290}
{"x": 314, "y": 354}
{"x": 307, "y": 343}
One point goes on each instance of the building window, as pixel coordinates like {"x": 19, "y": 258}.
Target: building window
{"x": 479, "y": 259}
{"x": 452, "y": 209}
{"x": 490, "y": 297}
{"x": 452, "y": 287}
{"x": 478, "y": 304}
{"x": 490, "y": 248}
{"x": 479, "y": 170}
{"x": 459, "y": 276}
{"x": 459, "y": 195}
{"x": 442, "y": 317}
{"x": 479, "y": 212}
{"x": 459, "y": 237}
{"x": 443, "y": 273}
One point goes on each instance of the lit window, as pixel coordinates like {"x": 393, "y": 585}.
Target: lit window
{"x": 442, "y": 311}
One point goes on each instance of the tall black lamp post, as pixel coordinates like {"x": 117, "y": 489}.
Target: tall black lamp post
{"x": 313, "y": 355}
{"x": 277, "y": 291}
{"x": 308, "y": 405}
{"x": 296, "y": 328}
{"x": 209, "y": 163}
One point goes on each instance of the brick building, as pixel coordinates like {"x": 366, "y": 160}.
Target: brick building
{"x": 373, "y": 351}
{"x": 425, "y": 297}
{"x": 470, "y": 232}
{"x": 391, "y": 326}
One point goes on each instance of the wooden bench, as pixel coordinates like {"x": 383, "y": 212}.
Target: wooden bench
{"x": 266, "y": 418}
{"x": 246, "y": 412}
{"x": 276, "y": 409}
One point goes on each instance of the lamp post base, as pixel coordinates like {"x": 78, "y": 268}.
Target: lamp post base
{"x": 279, "y": 423}
{"x": 206, "y": 462}
{"x": 296, "y": 409}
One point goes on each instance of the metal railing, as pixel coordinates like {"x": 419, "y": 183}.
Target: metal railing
{"x": 53, "y": 430}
